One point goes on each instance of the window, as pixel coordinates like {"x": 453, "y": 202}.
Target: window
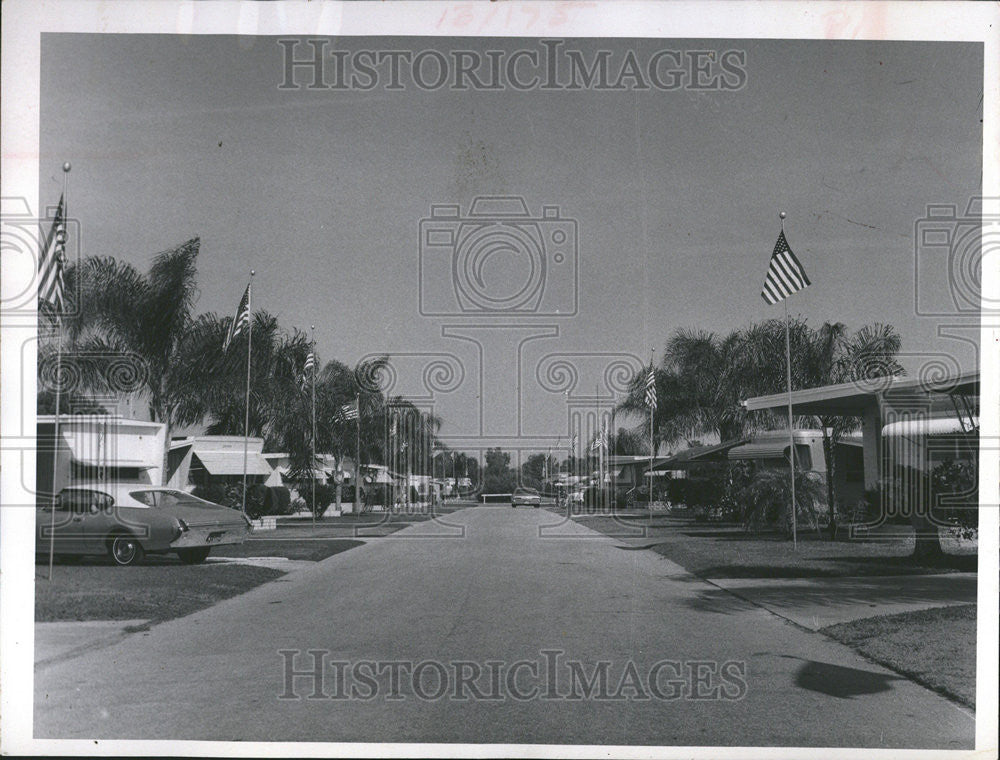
{"x": 803, "y": 457}
{"x": 81, "y": 501}
{"x": 145, "y": 497}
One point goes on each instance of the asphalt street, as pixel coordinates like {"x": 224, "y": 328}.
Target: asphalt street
{"x": 482, "y": 627}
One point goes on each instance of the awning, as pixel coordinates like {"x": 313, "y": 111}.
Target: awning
{"x": 92, "y": 451}
{"x": 772, "y": 449}
{"x": 137, "y": 464}
{"x": 231, "y": 462}
{"x": 697, "y": 455}
{"x": 919, "y": 427}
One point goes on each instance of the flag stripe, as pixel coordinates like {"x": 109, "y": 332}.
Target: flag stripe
{"x": 50, "y": 286}
{"x": 651, "y": 389}
{"x": 785, "y": 273}
{"x": 791, "y": 275}
{"x": 241, "y": 320}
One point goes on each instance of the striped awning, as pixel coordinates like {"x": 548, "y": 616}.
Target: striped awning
{"x": 231, "y": 462}
{"x": 772, "y": 449}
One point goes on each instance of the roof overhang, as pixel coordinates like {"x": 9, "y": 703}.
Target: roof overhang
{"x": 700, "y": 455}
{"x": 856, "y": 398}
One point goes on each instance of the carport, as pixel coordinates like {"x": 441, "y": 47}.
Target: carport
{"x": 881, "y": 401}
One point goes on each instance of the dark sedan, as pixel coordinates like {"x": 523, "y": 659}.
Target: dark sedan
{"x": 127, "y": 522}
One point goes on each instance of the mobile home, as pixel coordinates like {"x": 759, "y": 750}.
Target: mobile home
{"x": 97, "y": 449}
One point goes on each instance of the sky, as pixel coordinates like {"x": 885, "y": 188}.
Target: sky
{"x": 675, "y": 196}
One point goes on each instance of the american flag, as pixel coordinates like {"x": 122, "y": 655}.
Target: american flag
{"x": 241, "y": 320}
{"x": 573, "y": 443}
{"x": 785, "y": 274}
{"x": 307, "y": 369}
{"x": 50, "y": 286}
{"x": 651, "y": 389}
{"x": 601, "y": 441}
{"x": 349, "y": 411}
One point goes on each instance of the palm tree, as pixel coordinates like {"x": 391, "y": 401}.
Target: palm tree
{"x": 692, "y": 400}
{"x": 276, "y": 382}
{"x": 703, "y": 377}
{"x": 117, "y": 314}
{"x": 826, "y": 356}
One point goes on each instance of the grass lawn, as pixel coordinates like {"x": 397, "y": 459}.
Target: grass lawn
{"x": 162, "y": 587}
{"x": 313, "y": 549}
{"x": 934, "y": 647}
{"x": 720, "y": 551}
{"x": 101, "y": 591}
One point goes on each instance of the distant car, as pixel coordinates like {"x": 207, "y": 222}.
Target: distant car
{"x": 525, "y": 497}
{"x": 128, "y": 522}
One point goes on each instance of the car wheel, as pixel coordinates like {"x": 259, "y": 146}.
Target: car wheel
{"x": 193, "y": 556}
{"x": 125, "y": 550}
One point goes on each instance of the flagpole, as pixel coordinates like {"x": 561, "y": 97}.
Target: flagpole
{"x": 652, "y": 448}
{"x": 600, "y": 445}
{"x": 312, "y": 348}
{"x": 791, "y": 428}
{"x": 246, "y": 412}
{"x": 357, "y": 455}
{"x": 60, "y": 260}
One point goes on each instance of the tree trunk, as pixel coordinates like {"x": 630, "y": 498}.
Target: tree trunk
{"x": 828, "y": 451}
{"x": 165, "y": 473}
{"x": 927, "y": 549}
{"x": 338, "y": 482}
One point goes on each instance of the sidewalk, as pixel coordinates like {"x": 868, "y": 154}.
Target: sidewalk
{"x": 815, "y": 603}
{"x": 55, "y": 642}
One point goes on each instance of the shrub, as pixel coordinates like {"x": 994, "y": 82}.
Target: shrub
{"x": 955, "y": 493}
{"x": 767, "y": 495}
{"x": 214, "y": 492}
{"x": 325, "y": 495}
{"x": 677, "y": 490}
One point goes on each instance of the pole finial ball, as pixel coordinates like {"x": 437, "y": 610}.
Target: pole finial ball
{"x": 253, "y": 272}
{"x": 67, "y": 166}
{"x": 782, "y": 215}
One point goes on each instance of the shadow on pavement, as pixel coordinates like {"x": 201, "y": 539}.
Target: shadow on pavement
{"x": 842, "y": 682}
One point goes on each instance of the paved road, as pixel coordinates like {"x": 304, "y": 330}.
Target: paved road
{"x": 489, "y": 590}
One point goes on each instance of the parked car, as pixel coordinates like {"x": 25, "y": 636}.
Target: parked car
{"x": 128, "y": 522}
{"x": 525, "y": 497}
